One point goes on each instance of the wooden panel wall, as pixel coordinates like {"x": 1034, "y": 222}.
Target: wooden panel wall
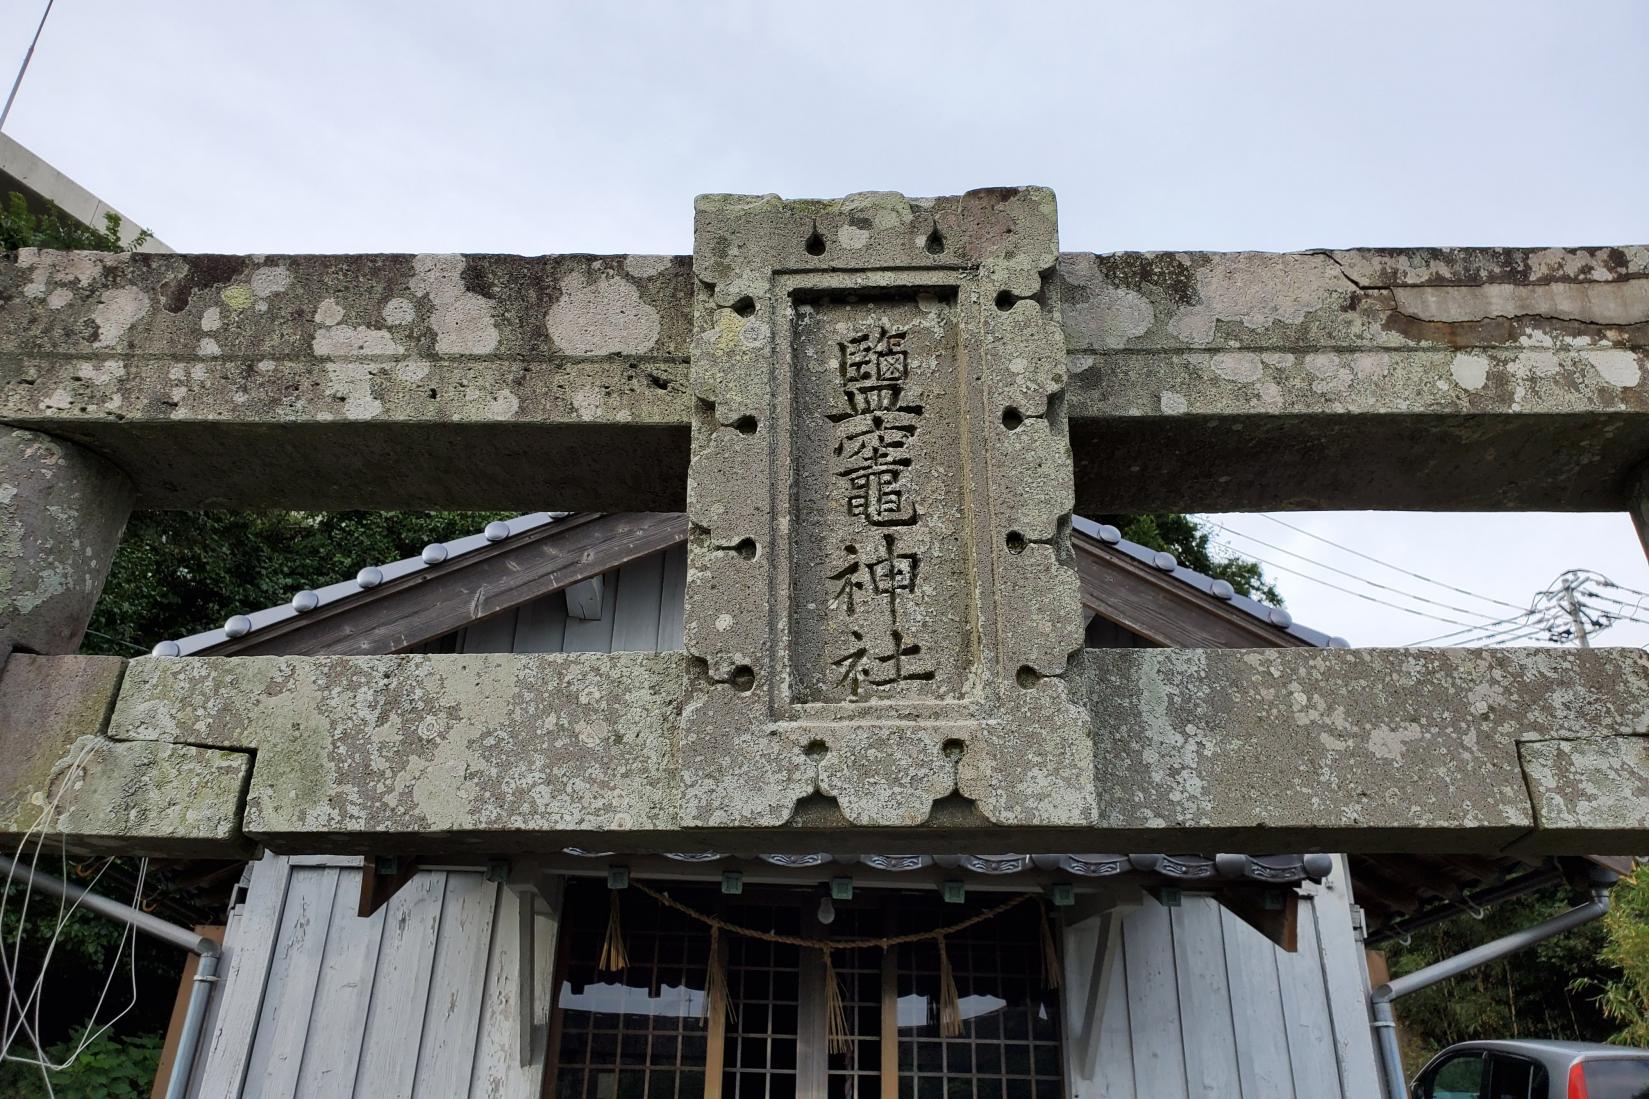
{"x": 419, "y": 999}
{"x": 641, "y": 611}
{"x": 1189, "y": 1002}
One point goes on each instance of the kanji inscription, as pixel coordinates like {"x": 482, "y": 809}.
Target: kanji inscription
{"x": 877, "y": 463}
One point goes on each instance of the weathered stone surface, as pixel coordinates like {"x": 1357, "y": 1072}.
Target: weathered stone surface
{"x": 402, "y": 749}
{"x": 164, "y": 800}
{"x": 879, "y": 585}
{"x": 1540, "y": 750}
{"x": 61, "y": 513}
{"x": 63, "y": 780}
{"x": 324, "y": 381}
{"x": 1505, "y": 378}
{"x": 1486, "y": 378}
{"x": 1398, "y": 750}
{"x": 1589, "y": 795}
{"x": 47, "y": 704}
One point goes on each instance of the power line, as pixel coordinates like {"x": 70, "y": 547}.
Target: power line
{"x": 118, "y": 641}
{"x": 1388, "y": 564}
{"x": 1522, "y": 622}
{"x": 1329, "y": 584}
{"x": 1352, "y": 575}
{"x": 1522, "y": 636}
{"x": 1608, "y": 583}
{"x": 1518, "y": 619}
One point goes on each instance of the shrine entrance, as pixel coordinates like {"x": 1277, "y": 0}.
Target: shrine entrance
{"x": 648, "y": 1031}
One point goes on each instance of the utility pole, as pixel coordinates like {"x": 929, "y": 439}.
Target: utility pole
{"x": 1571, "y": 606}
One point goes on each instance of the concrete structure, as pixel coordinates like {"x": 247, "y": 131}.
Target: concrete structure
{"x": 44, "y": 187}
{"x": 863, "y": 405}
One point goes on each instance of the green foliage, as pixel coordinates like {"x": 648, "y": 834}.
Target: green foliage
{"x": 87, "y": 941}
{"x": 1624, "y": 995}
{"x": 21, "y": 227}
{"x": 1534, "y": 994}
{"x": 109, "y": 1068}
{"x": 180, "y": 572}
{"x": 1188, "y": 540}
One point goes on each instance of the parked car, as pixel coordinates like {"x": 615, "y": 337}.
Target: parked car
{"x": 1532, "y": 1069}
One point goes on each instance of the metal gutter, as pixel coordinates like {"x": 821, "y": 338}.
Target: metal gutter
{"x": 1473, "y": 901}
{"x": 1385, "y": 1021}
{"x": 206, "y": 970}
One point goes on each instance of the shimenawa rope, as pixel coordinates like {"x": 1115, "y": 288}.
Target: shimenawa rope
{"x": 836, "y": 1028}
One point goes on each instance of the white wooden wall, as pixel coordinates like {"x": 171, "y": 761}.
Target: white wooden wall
{"x": 419, "y": 999}
{"x": 641, "y": 610}
{"x": 1192, "y": 1003}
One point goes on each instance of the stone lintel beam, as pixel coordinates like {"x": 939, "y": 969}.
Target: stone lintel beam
{"x": 372, "y": 381}
{"x": 63, "y": 779}
{"x": 62, "y": 509}
{"x": 1486, "y": 378}
{"x": 1426, "y": 378}
{"x": 1544, "y": 751}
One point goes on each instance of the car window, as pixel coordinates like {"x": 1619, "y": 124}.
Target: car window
{"x": 1617, "y": 1078}
{"x": 1515, "y": 1078}
{"x": 1459, "y": 1077}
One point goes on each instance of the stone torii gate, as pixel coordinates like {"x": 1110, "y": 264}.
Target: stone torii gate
{"x": 879, "y": 415}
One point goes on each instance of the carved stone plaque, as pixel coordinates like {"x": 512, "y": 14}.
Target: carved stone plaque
{"x": 880, "y": 597}
{"x": 878, "y": 566}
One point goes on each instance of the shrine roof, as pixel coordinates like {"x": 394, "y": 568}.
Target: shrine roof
{"x": 455, "y": 554}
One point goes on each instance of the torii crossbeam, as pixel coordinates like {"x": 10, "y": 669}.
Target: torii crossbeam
{"x": 879, "y": 414}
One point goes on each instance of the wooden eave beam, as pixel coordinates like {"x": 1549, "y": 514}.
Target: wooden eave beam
{"x": 404, "y": 613}
{"x": 1164, "y": 610}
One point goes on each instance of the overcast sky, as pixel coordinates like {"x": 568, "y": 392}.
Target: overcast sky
{"x": 533, "y": 128}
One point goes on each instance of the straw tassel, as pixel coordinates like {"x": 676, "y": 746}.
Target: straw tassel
{"x": 613, "y": 957}
{"x": 836, "y": 1035}
{"x": 950, "y": 1007}
{"x": 715, "y": 981}
{"x": 1051, "y": 969}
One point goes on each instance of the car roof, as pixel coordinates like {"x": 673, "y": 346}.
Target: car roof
{"x": 1551, "y": 1049}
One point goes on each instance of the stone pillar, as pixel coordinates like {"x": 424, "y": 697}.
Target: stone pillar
{"x": 62, "y": 509}
{"x": 881, "y": 602}
{"x": 1638, "y": 505}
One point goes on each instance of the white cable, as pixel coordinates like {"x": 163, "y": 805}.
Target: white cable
{"x": 1328, "y": 584}
{"x": 1387, "y": 564}
{"x": 1352, "y": 575}
{"x": 1517, "y": 620}
{"x": 12, "y": 965}
{"x": 24, "y": 67}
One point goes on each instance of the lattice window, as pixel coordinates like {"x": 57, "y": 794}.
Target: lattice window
{"x": 763, "y": 982}
{"x": 856, "y": 1073}
{"x": 645, "y": 1034}
{"x": 640, "y": 1034}
{"x": 1009, "y": 1047}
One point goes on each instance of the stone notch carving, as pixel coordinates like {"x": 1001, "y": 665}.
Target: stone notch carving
{"x": 880, "y": 597}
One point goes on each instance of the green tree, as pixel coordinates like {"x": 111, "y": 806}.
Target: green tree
{"x": 1624, "y": 994}
{"x": 1190, "y": 542}
{"x": 1547, "y": 991}
{"x": 180, "y": 572}
{"x": 21, "y": 227}
{"x": 110, "y": 1067}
